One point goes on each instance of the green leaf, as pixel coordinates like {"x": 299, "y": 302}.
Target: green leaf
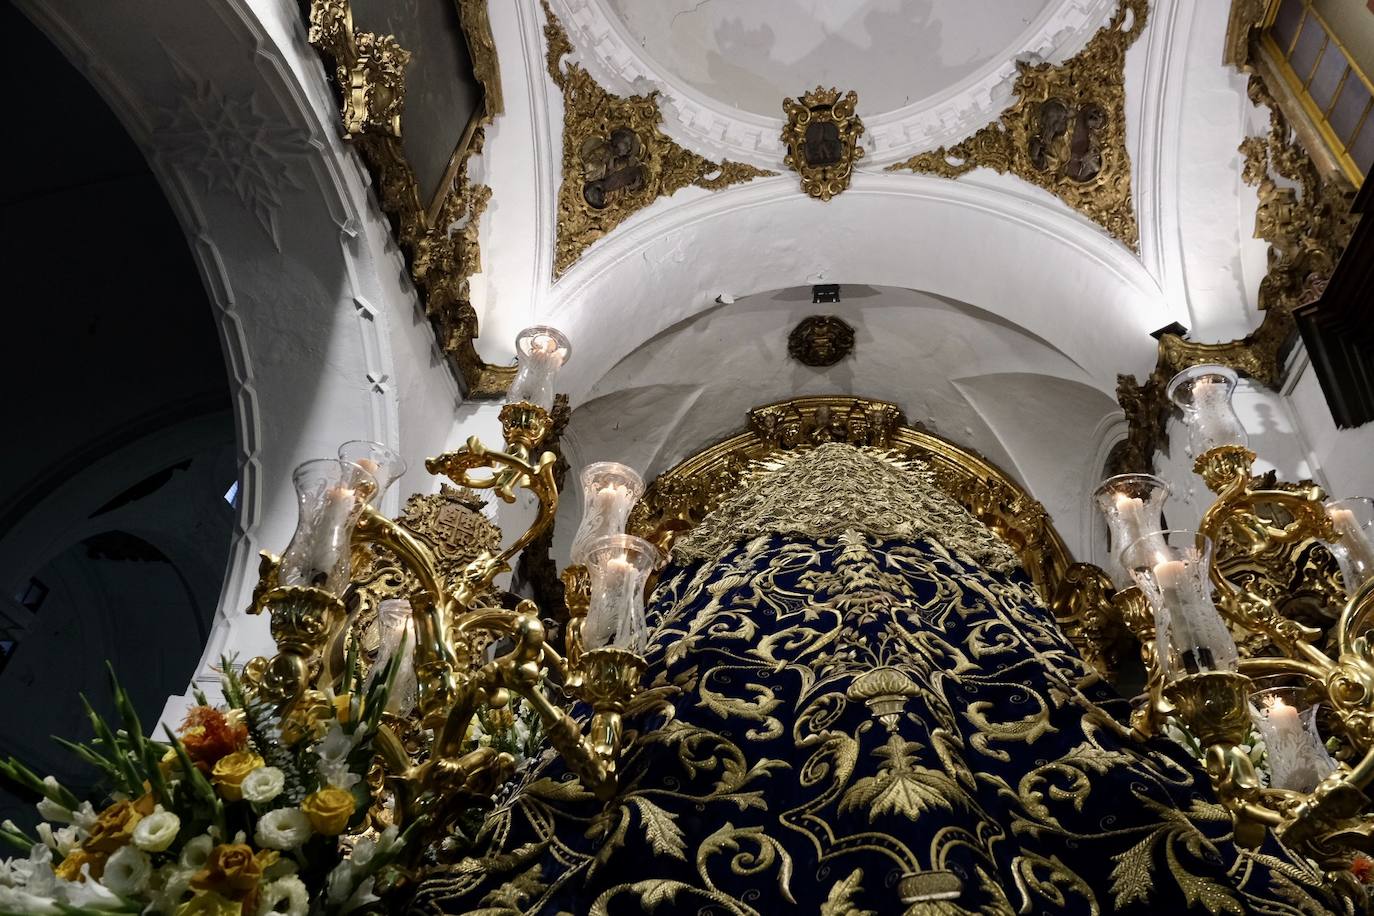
{"x": 128, "y": 777}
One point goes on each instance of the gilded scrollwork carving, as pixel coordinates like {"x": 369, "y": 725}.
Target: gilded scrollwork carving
{"x": 1306, "y": 220}
{"x": 616, "y": 158}
{"x": 439, "y": 236}
{"x": 822, "y": 140}
{"x": 1065, "y": 133}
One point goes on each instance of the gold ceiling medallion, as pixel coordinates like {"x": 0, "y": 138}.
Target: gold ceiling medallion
{"x": 822, "y": 140}
{"x": 1066, "y": 132}
{"x": 681, "y": 497}
{"x": 616, "y": 159}
{"x": 438, "y": 234}
{"x": 1306, "y": 220}
{"x": 820, "y": 340}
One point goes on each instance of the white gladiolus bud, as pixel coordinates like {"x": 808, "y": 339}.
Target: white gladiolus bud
{"x": 127, "y": 871}
{"x": 156, "y": 832}
{"x": 50, "y": 810}
{"x": 262, "y": 785}
{"x": 283, "y": 829}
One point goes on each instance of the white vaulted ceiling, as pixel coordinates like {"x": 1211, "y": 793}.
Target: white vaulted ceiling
{"x": 750, "y": 54}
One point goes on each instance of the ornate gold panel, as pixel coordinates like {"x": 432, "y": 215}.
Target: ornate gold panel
{"x": 1066, "y": 131}
{"x": 616, "y": 160}
{"x": 679, "y": 498}
{"x": 438, "y": 236}
{"x": 822, "y": 140}
{"x": 1307, "y": 222}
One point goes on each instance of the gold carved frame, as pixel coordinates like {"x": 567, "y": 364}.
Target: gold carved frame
{"x": 823, "y": 108}
{"x": 1079, "y": 594}
{"x": 439, "y": 236}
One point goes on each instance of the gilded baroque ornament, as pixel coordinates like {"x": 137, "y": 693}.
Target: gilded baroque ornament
{"x": 1306, "y": 220}
{"x": 1066, "y": 132}
{"x": 439, "y": 236}
{"x": 820, "y": 340}
{"x": 822, "y": 140}
{"x": 616, "y": 159}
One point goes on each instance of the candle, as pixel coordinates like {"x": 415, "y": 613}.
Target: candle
{"x": 1355, "y": 542}
{"x": 1294, "y": 761}
{"x": 1177, "y": 595}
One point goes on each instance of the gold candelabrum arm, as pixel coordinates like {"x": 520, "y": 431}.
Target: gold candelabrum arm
{"x": 1335, "y": 820}
{"x": 451, "y": 623}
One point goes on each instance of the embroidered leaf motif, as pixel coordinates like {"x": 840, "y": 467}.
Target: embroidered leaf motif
{"x": 662, "y": 831}
{"x": 840, "y": 900}
{"x": 1131, "y": 875}
{"x": 901, "y": 786}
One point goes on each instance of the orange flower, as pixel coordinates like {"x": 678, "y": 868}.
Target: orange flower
{"x": 209, "y": 735}
{"x": 113, "y": 829}
{"x": 231, "y": 871}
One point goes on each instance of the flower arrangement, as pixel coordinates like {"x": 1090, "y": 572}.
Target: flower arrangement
{"x": 238, "y": 813}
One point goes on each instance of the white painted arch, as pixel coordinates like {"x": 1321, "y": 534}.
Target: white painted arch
{"x": 1012, "y": 252}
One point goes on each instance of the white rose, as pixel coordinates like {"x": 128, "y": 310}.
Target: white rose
{"x": 196, "y": 853}
{"x": 262, "y": 785}
{"x": 127, "y": 871}
{"x": 156, "y": 832}
{"x": 285, "y": 895}
{"x": 284, "y": 828}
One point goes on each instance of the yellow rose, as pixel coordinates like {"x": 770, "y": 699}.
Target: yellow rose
{"x": 70, "y": 869}
{"x": 228, "y": 773}
{"x": 113, "y": 829}
{"x": 209, "y": 903}
{"x": 231, "y": 871}
{"x": 329, "y": 810}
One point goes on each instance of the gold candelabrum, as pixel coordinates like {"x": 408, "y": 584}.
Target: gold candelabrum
{"x": 1318, "y": 804}
{"x": 457, "y": 626}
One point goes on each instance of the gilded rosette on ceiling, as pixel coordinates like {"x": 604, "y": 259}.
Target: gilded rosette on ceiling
{"x": 1066, "y": 132}
{"x": 822, "y": 140}
{"x": 616, "y": 159}
{"x": 439, "y": 237}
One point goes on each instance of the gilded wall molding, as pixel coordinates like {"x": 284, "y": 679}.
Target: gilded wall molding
{"x": 1065, "y": 133}
{"x": 1307, "y": 222}
{"x": 439, "y": 237}
{"x": 681, "y": 497}
{"x": 616, "y": 158}
{"x": 822, "y": 140}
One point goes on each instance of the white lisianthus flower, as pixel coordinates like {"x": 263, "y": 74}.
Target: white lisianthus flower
{"x": 263, "y": 784}
{"x": 127, "y": 871}
{"x": 156, "y": 832}
{"x": 283, "y": 829}
{"x": 196, "y": 853}
{"x": 285, "y": 895}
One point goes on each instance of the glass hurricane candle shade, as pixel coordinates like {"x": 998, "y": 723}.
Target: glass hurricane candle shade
{"x": 395, "y": 628}
{"x": 330, "y": 494}
{"x": 1203, "y": 393}
{"x": 1293, "y": 746}
{"x": 609, "y": 492}
{"x": 542, "y": 351}
{"x": 1171, "y": 568}
{"x": 618, "y": 566}
{"x": 1133, "y": 506}
{"x": 385, "y": 466}
{"x": 1353, "y": 520}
